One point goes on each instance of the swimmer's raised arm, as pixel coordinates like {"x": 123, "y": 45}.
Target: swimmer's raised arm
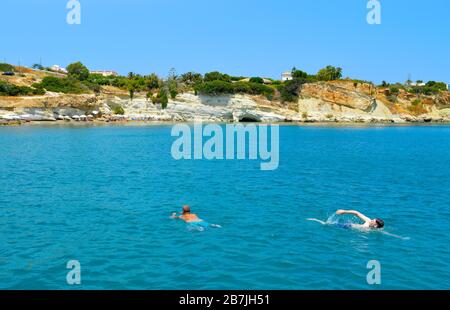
{"x": 175, "y": 216}
{"x": 318, "y": 221}
{"x": 356, "y": 213}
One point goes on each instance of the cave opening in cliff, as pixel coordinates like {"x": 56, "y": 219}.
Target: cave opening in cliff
{"x": 249, "y": 119}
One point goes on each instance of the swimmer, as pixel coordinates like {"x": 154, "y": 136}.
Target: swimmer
{"x": 192, "y": 219}
{"x": 187, "y": 216}
{"x": 368, "y": 222}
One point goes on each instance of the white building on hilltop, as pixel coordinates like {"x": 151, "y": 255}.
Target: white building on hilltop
{"x": 417, "y": 84}
{"x": 105, "y": 72}
{"x": 286, "y": 76}
{"x": 59, "y": 69}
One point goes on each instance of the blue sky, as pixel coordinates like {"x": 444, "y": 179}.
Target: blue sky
{"x": 239, "y": 37}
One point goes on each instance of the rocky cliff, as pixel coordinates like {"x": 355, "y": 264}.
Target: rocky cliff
{"x": 47, "y": 108}
{"x": 338, "y": 101}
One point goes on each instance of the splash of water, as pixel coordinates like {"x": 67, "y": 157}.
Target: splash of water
{"x": 333, "y": 219}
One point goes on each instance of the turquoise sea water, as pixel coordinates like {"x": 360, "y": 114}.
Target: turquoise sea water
{"x": 103, "y": 196}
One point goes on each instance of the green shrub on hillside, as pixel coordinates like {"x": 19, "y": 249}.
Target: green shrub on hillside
{"x": 191, "y": 78}
{"x": 100, "y": 79}
{"x": 299, "y": 74}
{"x": 161, "y": 98}
{"x": 8, "y": 89}
{"x": 432, "y": 88}
{"x": 237, "y": 78}
{"x": 256, "y": 80}
{"x": 78, "y": 71}
{"x": 96, "y": 88}
{"x": 152, "y": 81}
{"x": 62, "y": 85}
{"x": 217, "y": 76}
{"x": 120, "y": 82}
{"x": 289, "y": 90}
{"x": 252, "y": 89}
{"x": 260, "y": 89}
{"x": 240, "y": 88}
{"x": 215, "y": 88}
{"x": 394, "y": 90}
{"x": 38, "y": 89}
{"x": 276, "y": 82}
{"x": 329, "y": 73}
{"x": 118, "y": 110}
{"x": 172, "y": 86}
{"x": 6, "y": 67}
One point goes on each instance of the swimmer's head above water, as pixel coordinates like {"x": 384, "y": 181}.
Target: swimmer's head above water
{"x": 186, "y": 209}
{"x": 368, "y": 222}
{"x": 377, "y": 223}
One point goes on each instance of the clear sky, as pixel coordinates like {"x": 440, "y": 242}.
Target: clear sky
{"x": 239, "y": 37}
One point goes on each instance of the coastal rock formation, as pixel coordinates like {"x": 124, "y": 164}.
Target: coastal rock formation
{"x": 337, "y": 101}
{"x": 189, "y": 107}
{"x": 50, "y": 107}
{"x": 51, "y": 100}
{"x": 337, "y": 94}
{"x": 316, "y": 110}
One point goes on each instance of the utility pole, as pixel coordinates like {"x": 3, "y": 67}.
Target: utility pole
{"x": 409, "y": 81}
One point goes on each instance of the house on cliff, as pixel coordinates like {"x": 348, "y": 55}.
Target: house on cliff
{"x": 59, "y": 69}
{"x": 105, "y": 72}
{"x": 286, "y": 76}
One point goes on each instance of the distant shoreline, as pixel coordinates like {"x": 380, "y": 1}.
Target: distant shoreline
{"x": 171, "y": 123}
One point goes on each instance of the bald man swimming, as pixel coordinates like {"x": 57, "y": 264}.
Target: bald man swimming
{"x": 192, "y": 219}
{"x": 187, "y": 216}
